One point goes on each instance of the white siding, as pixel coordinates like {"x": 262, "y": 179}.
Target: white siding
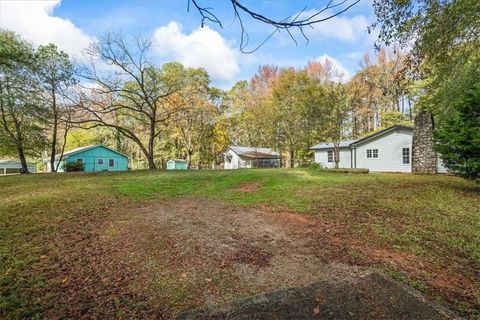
{"x": 235, "y": 161}
{"x": 440, "y": 167}
{"x": 60, "y": 167}
{"x": 321, "y": 156}
{"x": 231, "y": 163}
{"x": 238, "y": 162}
{"x": 389, "y": 147}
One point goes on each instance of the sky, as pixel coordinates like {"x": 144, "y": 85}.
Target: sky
{"x": 178, "y": 36}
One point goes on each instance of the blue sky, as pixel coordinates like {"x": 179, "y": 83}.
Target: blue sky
{"x": 177, "y": 35}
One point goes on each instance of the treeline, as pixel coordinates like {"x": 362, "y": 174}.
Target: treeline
{"x": 119, "y": 96}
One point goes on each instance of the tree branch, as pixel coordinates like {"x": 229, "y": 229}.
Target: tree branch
{"x": 288, "y": 23}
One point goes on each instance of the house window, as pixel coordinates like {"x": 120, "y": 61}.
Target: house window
{"x": 330, "y": 156}
{"x": 406, "y": 155}
{"x": 80, "y": 161}
{"x": 111, "y": 162}
{"x": 372, "y": 153}
{"x": 100, "y": 161}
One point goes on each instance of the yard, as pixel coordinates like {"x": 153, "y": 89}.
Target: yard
{"x": 154, "y": 244}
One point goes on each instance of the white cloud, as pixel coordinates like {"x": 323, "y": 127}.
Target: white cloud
{"x": 35, "y": 22}
{"x": 203, "y": 47}
{"x": 355, "y": 55}
{"x": 343, "y": 72}
{"x": 340, "y": 27}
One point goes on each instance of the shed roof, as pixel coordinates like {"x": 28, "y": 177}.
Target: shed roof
{"x": 3, "y": 161}
{"x": 10, "y": 163}
{"x": 329, "y": 145}
{"x": 81, "y": 149}
{"x": 255, "y": 152}
{"x": 7, "y": 160}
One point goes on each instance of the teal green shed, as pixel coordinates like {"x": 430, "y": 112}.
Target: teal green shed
{"x": 177, "y": 164}
{"x": 94, "y": 158}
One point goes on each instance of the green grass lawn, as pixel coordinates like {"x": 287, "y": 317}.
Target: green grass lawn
{"x": 423, "y": 230}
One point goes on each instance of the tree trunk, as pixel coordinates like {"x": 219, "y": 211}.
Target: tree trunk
{"x": 292, "y": 158}
{"x": 118, "y": 140}
{"x": 213, "y": 156}
{"x": 53, "y": 150}
{"x": 62, "y": 151}
{"x": 354, "y": 126}
{"x": 189, "y": 159}
{"x": 151, "y": 162}
{"x": 19, "y": 145}
{"x": 162, "y": 164}
{"x": 23, "y": 161}
{"x": 151, "y": 144}
{"x": 148, "y": 155}
{"x": 336, "y": 154}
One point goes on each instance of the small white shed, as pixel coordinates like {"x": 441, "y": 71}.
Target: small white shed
{"x": 8, "y": 166}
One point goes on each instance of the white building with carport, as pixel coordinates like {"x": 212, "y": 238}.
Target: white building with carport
{"x": 8, "y": 166}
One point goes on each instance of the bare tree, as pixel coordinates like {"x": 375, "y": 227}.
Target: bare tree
{"x": 297, "y": 21}
{"x": 129, "y": 94}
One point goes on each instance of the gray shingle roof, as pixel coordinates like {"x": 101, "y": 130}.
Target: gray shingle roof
{"x": 382, "y": 132}
{"x": 254, "y": 152}
{"x": 329, "y": 145}
{"x": 10, "y": 163}
{"x": 8, "y": 160}
{"x": 76, "y": 150}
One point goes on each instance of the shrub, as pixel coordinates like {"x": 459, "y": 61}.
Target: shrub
{"x": 315, "y": 166}
{"x": 458, "y": 137}
{"x": 349, "y": 170}
{"x": 74, "y": 167}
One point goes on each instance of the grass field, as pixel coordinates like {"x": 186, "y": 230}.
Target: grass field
{"x": 153, "y": 243}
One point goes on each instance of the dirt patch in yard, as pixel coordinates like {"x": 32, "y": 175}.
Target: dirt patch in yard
{"x": 200, "y": 252}
{"x": 158, "y": 259}
{"x": 250, "y": 255}
{"x": 248, "y": 187}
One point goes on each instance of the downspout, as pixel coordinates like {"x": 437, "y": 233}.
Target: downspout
{"x": 351, "y": 157}
{"x": 355, "y": 156}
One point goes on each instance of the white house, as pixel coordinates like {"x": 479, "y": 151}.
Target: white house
{"x": 8, "y": 166}
{"x": 389, "y": 150}
{"x": 237, "y": 157}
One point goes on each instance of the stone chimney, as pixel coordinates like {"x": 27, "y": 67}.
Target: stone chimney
{"x": 424, "y": 158}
